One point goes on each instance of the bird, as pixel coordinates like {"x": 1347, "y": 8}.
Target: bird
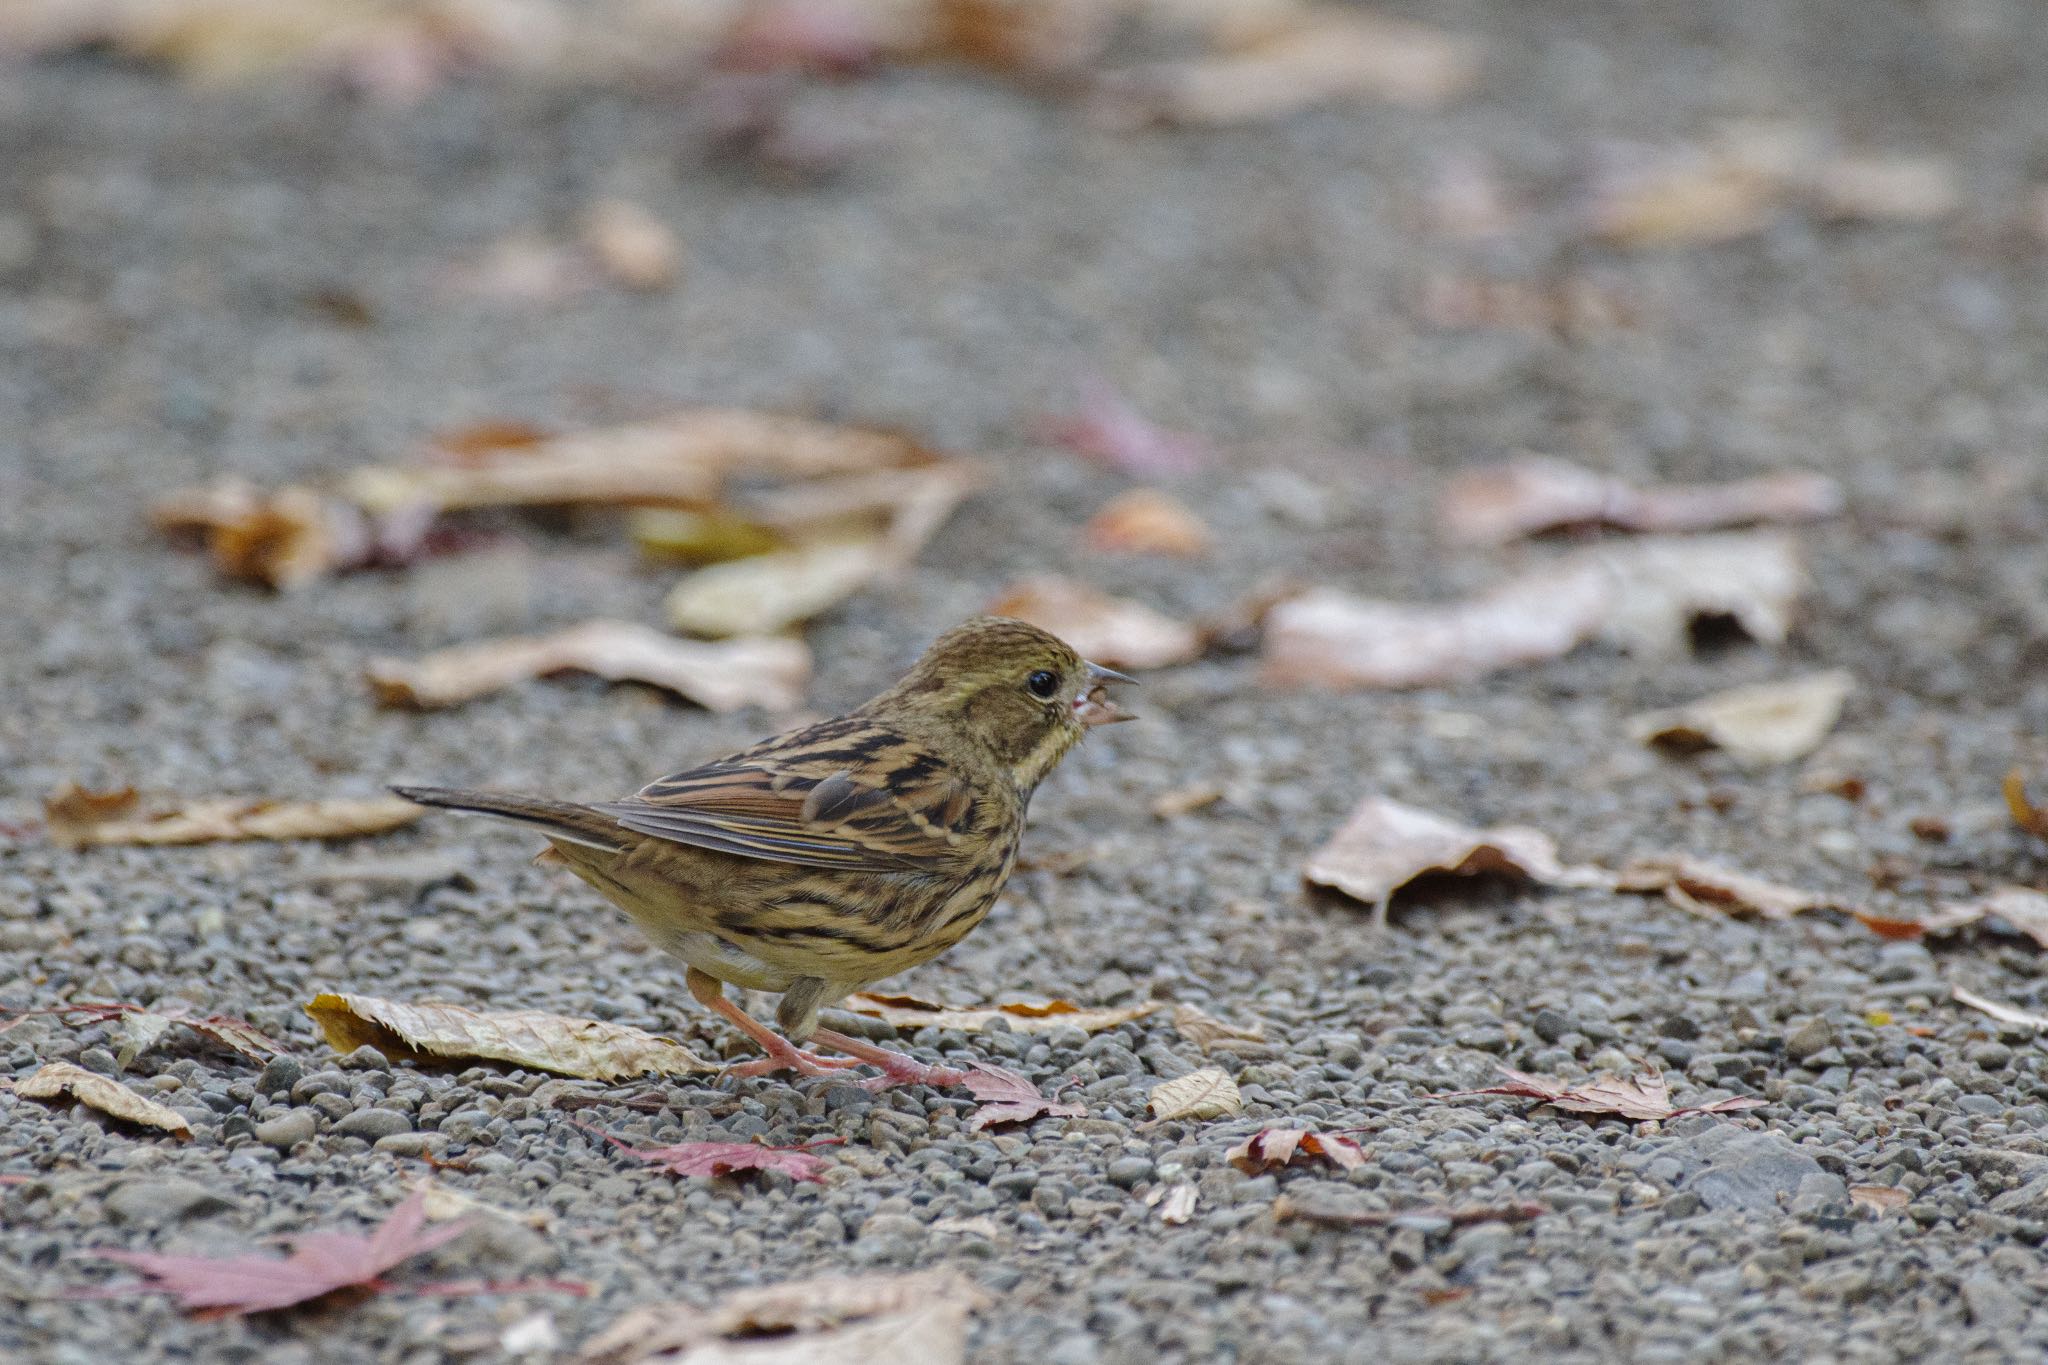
{"x": 826, "y": 858}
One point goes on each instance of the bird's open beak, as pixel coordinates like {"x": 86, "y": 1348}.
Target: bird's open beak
{"x": 1093, "y": 706}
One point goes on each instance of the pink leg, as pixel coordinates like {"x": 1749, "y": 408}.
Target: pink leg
{"x": 897, "y": 1069}
{"x": 783, "y": 1055}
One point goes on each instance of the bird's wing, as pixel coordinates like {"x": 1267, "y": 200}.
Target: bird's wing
{"x": 901, "y": 813}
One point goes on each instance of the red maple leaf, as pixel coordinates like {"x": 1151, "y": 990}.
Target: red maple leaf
{"x": 728, "y": 1158}
{"x": 1007, "y": 1097}
{"x": 320, "y": 1264}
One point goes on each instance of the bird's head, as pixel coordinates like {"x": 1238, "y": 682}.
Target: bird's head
{"x": 1020, "y": 693}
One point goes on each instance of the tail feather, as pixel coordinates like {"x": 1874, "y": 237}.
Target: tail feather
{"x": 564, "y": 820}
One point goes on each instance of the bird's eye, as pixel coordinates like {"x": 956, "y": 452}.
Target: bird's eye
{"x": 1043, "y": 683}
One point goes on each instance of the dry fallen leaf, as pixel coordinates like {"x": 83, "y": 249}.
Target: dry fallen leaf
{"x": 2024, "y": 908}
{"x": 1503, "y": 502}
{"x": 720, "y": 675}
{"x": 728, "y": 1158}
{"x": 1318, "y": 54}
{"x": 1271, "y": 1147}
{"x": 1175, "y": 1202}
{"x": 1206, "y": 1031}
{"x": 1769, "y": 723}
{"x": 1287, "y": 1209}
{"x": 763, "y": 594}
{"x": 138, "y": 1029}
{"x": 109, "y": 1096}
{"x": 1691, "y": 199}
{"x": 1023, "y": 1016}
{"x": 917, "y": 1319}
{"x": 1643, "y": 595}
{"x": 631, "y": 245}
{"x": 2028, "y": 816}
{"x": 284, "y": 539}
{"x": 1112, "y": 631}
{"x": 1205, "y": 1094}
{"x": 78, "y": 818}
{"x": 1881, "y": 187}
{"x": 432, "y": 1031}
{"x": 1640, "y": 1098}
{"x": 1186, "y": 800}
{"x": 1007, "y": 1097}
{"x": 1883, "y": 1198}
{"x": 1385, "y": 845}
{"x": 320, "y": 1264}
{"x": 2003, "y": 1013}
{"x": 1145, "y": 521}
{"x": 1710, "y": 889}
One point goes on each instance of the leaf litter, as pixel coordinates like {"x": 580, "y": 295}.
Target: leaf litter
{"x": 1708, "y": 888}
{"x": 1145, "y": 521}
{"x": 77, "y": 818}
{"x": 1007, "y": 1097}
{"x": 919, "y": 1317}
{"x": 723, "y": 675}
{"x": 437, "y": 1032}
{"x": 1208, "y": 1093}
{"x": 55, "y": 1080}
{"x": 1022, "y": 1016}
{"x": 1644, "y": 596}
{"x": 1384, "y": 845}
{"x": 139, "y": 1027}
{"x": 1113, "y": 631}
{"x": 1274, "y": 1147}
{"x": 321, "y": 1263}
{"x": 1532, "y": 494}
{"x": 728, "y": 1158}
{"x": 1639, "y": 1098}
{"x": 1760, "y": 725}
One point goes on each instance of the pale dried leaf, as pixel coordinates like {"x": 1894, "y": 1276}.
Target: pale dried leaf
{"x": 767, "y": 593}
{"x": 719, "y": 676}
{"x": 72, "y": 821}
{"x": 1883, "y": 1198}
{"x": 1881, "y": 187}
{"x": 1145, "y": 521}
{"x": 631, "y": 245}
{"x": 1180, "y": 801}
{"x": 1999, "y": 1010}
{"x": 109, "y": 1096}
{"x": 1665, "y": 584}
{"x": 444, "y": 1204}
{"x": 1112, "y": 631}
{"x": 829, "y": 1320}
{"x": 1384, "y": 845}
{"x": 1324, "y": 53}
{"x": 1209, "y": 1093}
{"x": 136, "y": 1033}
{"x": 1023, "y": 1016}
{"x": 1768, "y": 723}
{"x": 1502, "y": 502}
{"x": 430, "y": 1031}
{"x": 1175, "y": 1202}
{"x": 1691, "y": 200}
{"x": 1643, "y": 1097}
{"x": 2024, "y": 908}
{"x": 1205, "y": 1030}
{"x": 680, "y": 459}
{"x": 1710, "y": 889}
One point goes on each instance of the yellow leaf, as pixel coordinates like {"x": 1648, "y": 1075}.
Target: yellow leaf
{"x": 436, "y": 1031}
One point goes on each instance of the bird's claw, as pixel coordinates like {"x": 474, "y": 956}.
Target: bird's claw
{"x": 790, "y": 1058}
{"x": 902, "y": 1070}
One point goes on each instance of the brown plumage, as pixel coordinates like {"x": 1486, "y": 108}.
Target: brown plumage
{"x": 824, "y": 859}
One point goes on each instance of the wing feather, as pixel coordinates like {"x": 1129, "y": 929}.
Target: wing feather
{"x": 899, "y": 813}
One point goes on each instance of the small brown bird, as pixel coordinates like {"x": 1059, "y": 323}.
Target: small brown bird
{"x": 825, "y": 859}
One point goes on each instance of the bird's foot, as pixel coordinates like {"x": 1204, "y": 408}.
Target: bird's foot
{"x": 787, "y": 1056}
{"x": 897, "y": 1069}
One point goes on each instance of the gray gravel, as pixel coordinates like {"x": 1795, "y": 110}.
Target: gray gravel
{"x": 1254, "y": 285}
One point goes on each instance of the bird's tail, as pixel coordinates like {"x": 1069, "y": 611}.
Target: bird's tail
{"x": 564, "y": 820}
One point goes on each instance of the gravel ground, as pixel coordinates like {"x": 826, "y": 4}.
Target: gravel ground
{"x": 1256, "y": 285}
